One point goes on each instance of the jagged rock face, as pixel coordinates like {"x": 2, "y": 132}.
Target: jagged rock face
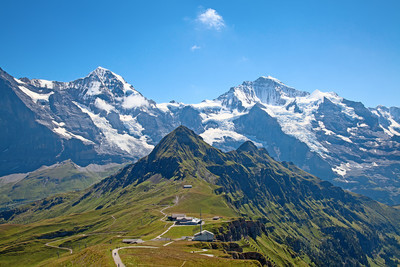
{"x": 102, "y": 118}
{"x": 266, "y": 90}
{"x": 395, "y": 113}
{"x": 23, "y": 140}
{"x": 281, "y": 146}
{"x": 236, "y": 230}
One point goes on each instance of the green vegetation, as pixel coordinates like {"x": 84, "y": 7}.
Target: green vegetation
{"x": 202, "y": 198}
{"x": 177, "y": 254}
{"x": 179, "y": 231}
{"x": 97, "y": 255}
{"x": 48, "y": 181}
{"x": 274, "y": 211}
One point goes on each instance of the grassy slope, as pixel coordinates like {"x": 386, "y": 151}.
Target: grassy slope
{"x": 138, "y": 216}
{"x": 178, "y": 254}
{"x": 44, "y": 182}
{"x": 298, "y": 208}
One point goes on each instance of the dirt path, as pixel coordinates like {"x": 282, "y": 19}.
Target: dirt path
{"x": 203, "y": 250}
{"x": 112, "y": 216}
{"x": 64, "y": 248}
{"x": 116, "y": 257}
{"x": 167, "y": 244}
{"x": 48, "y": 244}
{"x": 163, "y": 213}
{"x": 166, "y": 231}
{"x": 165, "y": 216}
{"x": 169, "y": 206}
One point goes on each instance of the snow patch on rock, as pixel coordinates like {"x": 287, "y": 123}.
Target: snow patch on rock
{"x": 35, "y": 96}
{"x": 216, "y": 135}
{"x": 124, "y": 141}
{"x": 101, "y": 104}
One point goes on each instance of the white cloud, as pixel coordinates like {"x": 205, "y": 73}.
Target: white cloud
{"x": 211, "y": 19}
{"x": 101, "y": 104}
{"x": 195, "y": 47}
{"x": 134, "y": 101}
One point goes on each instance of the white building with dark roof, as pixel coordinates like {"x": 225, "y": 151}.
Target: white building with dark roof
{"x": 187, "y": 221}
{"x": 205, "y": 236}
{"x": 174, "y": 216}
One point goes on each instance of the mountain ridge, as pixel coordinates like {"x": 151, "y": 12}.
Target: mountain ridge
{"x": 50, "y": 180}
{"x": 339, "y": 140}
{"x": 314, "y": 220}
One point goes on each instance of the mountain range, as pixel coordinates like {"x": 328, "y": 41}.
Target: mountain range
{"x": 287, "y": 215}
{"x": 101, "y": 119}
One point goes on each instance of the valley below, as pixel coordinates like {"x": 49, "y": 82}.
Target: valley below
{"x": 268, "y": 213}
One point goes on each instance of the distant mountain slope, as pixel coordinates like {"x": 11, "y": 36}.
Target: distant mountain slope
{"x": 35, "y": 125}
{"x": 315, "y": 221}
{"x": 101, "y": 118}
{"x": 50, "y": 180}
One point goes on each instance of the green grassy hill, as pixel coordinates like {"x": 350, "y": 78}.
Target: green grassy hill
{"x": 269, "y": 208}
{"x": 46, "y": 181}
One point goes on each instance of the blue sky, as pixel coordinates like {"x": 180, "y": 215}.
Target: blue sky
{"x": 195, "y": 50}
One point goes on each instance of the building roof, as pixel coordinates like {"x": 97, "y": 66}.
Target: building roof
{"x": 204, "y": 232}
{"x": 176, "y": 215}
{"x": 132, "y": 241}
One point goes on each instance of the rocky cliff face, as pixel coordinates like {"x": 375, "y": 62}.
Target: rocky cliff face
{"x": 102, "y": 118}
{"x": 236, "y": 230}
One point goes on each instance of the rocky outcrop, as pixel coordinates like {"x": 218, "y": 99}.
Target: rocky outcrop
{"x": 235, "y": 251}
{"x": 251, "y": 255}
{"x": 236, "y": 230}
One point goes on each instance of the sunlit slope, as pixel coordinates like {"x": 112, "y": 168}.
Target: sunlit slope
{"x": 47, "y": 181}
{"x": 289, "y": 215}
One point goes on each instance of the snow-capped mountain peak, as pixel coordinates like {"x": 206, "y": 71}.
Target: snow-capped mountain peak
{"x": 103, "y": 81}
{"x": 269, "y": 78}
{"x": 100, "y": 69}
{"x": 265, "y": 89}
{"x": 107, "y": 89}
{"x": 41, "y": 83}
{"x": 101, "y": 117}
{"x": 100, "y": 81}
{"x": 273, "y": 92}
{"x": 105, "y": 75}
